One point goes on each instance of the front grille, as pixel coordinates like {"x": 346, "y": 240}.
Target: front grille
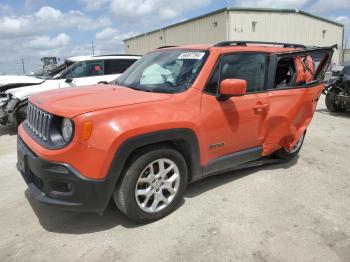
{"x": 38, "y": 122}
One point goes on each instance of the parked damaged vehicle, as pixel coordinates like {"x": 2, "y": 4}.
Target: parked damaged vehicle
{"x": 92, "y": 70}
{"x": 176, "y": 116}
{"x": 34, "y": 78}
{"x": 13, "y": 81}
{"x": 337, "y": 90}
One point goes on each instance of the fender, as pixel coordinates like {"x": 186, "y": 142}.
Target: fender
{"x": 183, "y": 135}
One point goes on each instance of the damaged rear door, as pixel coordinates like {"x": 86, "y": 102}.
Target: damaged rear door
{"x": 293, "y": 96}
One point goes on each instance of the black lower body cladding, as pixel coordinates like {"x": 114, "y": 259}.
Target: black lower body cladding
{"x": 61, "y": 185}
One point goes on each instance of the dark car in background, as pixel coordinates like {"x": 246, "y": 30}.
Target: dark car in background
{"x": 338, "y": 89}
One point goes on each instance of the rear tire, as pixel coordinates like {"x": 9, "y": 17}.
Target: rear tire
{"x": 288, "y": 155}
{"x": 330, "y": 103}
{"x": 153, "y": 184}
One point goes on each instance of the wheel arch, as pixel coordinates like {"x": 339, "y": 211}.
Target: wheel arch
{"x": 182, "y": 139}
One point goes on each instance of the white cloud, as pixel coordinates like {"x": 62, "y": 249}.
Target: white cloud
{"x": 343, "y": 19}
{"x": 45, "y": 19}
{"x": 94, "y": 5}
{"x": 47, "y": 12}
{"x": 272, "y": 3}
{"x": 45, "y": 42}
{"x": 107, "y": 33}
{"x": 325, "y": 6}
{"x": 110, "y": 40}
{"x": 153, "y": 9}
{"x": 42, "y": 33}
{"x": 145, "y": 11}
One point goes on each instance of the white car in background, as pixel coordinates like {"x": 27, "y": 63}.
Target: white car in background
{"x": 14, "y": 81}
{"x": 90, "y": 71}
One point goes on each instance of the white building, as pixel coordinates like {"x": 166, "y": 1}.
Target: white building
{"x": 253, "y": 24}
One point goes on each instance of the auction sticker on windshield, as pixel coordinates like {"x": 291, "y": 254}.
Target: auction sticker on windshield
{"x": 191, "y": 55}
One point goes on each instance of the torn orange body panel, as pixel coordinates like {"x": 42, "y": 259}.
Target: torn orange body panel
{"x": 305, "y": 69}
{"x": 289, "y": 116}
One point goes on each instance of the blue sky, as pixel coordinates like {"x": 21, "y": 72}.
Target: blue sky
{"x": 31, "y": 29}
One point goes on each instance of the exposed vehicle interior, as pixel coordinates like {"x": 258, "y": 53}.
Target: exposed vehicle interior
{"x": 285, "y": 73}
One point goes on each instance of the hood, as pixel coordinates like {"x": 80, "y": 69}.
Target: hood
{"x": 71, "y": 102}
{"x": 26, "y": 91}
{"x": 13, "y": 79}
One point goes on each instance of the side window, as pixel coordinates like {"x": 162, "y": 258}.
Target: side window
{"x": 213, "y": 83}
{"x": 117, "y": 66}
{"x": 247, "y": 66}
{"x": 85, "y": 69}
{"x": 285, "y": 73}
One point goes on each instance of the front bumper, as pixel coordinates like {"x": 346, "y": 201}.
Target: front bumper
{"x": 59, "y": 184}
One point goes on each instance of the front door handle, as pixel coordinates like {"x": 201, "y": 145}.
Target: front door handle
{"x": 261, "y": 106}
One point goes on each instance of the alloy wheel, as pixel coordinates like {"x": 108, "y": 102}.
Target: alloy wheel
{"x": 157, "y": 185}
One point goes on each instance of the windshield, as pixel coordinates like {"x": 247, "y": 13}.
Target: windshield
{"x": 164, "y": 71}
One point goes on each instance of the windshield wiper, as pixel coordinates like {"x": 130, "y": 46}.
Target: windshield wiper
{"x": 135, "y": 88}
{"x": 131, "y": 87}
{"x": 138, "y": 89}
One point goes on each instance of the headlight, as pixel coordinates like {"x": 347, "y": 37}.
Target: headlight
{"x": 67, "y": 129}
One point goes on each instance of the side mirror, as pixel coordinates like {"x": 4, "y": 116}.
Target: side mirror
{"x": 232, "y": 87}
{"x": 69, "y": 80}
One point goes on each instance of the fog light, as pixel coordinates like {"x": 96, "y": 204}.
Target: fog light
{"x": 60, "y": 187}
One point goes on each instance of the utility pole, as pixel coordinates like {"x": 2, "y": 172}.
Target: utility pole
{"x": 93, "y": 47}
{"x": 23, "y": 66}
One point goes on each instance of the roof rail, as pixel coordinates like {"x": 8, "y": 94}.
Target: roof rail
{"x": 114, "y": 55}
{"x": 244, "y": 43}
{"x": 166, "y": 46}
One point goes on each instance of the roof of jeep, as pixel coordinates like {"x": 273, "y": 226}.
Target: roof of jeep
{"x": 233, "y": 48}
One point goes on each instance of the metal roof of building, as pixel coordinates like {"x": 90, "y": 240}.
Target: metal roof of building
{"x": 242, "y": 9}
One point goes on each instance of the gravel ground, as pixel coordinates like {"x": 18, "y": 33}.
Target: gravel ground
{"x": 298, "y": 211}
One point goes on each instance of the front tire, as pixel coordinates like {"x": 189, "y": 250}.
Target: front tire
{"x": 153, "y": 184}
{"x": 286, "y": 154}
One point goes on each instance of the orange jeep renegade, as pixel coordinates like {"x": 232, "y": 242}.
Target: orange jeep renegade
{"x": 177, "y": 115}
